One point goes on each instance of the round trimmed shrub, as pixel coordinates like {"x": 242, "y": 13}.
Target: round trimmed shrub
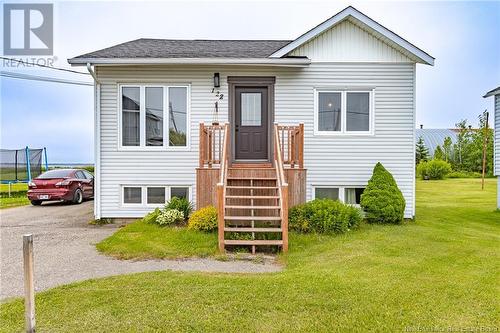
{"x": 204, "y": 219}
{"x": 382, "y": 200}
{"x": 170, "y": 217}
{"x": 324, "y": 216}
{"x": 433, "y": 169}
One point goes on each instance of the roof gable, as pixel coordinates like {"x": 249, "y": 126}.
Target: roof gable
{"x": 364, "y": 22}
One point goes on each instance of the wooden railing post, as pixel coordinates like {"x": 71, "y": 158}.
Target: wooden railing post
{"x": 202, "y": 146}
{"x": 284, "y": 217}
{"x": 220, "y": 216}
{"x": 301, "y": 146}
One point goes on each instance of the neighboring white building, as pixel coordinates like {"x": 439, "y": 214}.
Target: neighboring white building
{"x": 496, "y": 93}
{"x": 349, "y": 81}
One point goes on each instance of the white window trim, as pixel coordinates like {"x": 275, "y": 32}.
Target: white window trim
{"x": 343, "y": 111}
{"x": 341, "y": 188}
{"x": 166, "y": 117}
{"x": 144, "y": 195}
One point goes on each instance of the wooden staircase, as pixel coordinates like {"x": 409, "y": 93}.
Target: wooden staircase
{"x": 252, "y": 198}
{"x": 252, "y": 207}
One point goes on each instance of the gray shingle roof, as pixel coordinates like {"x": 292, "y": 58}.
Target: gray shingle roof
{"x": 176, "y": 48}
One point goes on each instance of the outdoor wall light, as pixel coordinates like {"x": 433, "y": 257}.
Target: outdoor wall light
{"x": 216, "y": 80}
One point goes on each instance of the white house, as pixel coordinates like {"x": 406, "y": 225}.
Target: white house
{"x": 332, "y": 103}
{"x": 496, "y": 93}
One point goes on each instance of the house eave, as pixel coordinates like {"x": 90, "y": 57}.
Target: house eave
{"x": 493, "y": 92}
{"x": 422, "y": 56}
{"x": 279, "y": 62}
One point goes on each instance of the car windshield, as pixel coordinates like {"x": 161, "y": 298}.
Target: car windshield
{"x": 55, "y": 174}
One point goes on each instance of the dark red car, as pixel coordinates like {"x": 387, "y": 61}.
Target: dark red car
{"x": 71, "y": 185}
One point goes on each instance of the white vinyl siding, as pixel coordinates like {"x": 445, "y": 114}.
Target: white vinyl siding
{"x": 349, "y": 42}
{"x": 497, "y": 137}
{"x": 335, "y": 160}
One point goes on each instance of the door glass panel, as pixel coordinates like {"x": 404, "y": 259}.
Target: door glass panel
{"x": 251, "y": 109}
{"x": 154, "y": 116}
{"x": 329, "y": 114}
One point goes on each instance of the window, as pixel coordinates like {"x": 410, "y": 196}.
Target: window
{"x": 153, "y": 195}
{"x": 80, "y": 175}
{"x": 179, "y": 192}
{"x": 177, "y": 106}
{"x": 353, "y": 195}
{"x": 326, "y": 193}
{"x": 358, "y": 111}
{"x": 154, "y": 116}
{"x": 343, "y": 112}
{"x": 251, "y": 109}
{"x": 348, "y": 194}
{"x": 132, "y": 195}
{"x": 88, "y": 175}
{"x": 147, "y": 110}
{"x": 156, "y": 195}
{"x": 131, "y": 120}
{"x": 329, "y": 111}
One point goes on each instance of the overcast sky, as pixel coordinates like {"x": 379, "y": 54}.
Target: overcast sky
{"x": 462, "y": 36}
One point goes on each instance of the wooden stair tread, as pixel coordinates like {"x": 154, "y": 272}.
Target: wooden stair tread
{"x": 252, "y": 242}
{"x": 252, "y": 207}
{"x": 252, "y": 196}
{"x": 253, "y": 218}
{"x": 250, "y": 178}
{"x": 252, "y": 187}
{"x": 247, "y": 229}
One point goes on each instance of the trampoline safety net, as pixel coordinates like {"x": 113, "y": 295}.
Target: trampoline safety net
{"x": 14, "y": 166}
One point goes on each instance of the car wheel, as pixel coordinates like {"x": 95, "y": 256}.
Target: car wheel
{"x": 78, "y": 196}
{"x": 36, "y": 202}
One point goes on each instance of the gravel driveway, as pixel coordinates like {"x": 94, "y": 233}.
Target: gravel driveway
{"x": 65, "y": 252}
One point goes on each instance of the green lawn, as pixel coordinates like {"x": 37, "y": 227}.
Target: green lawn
{"x": 141, "y": 240}
{"x": 439, "y": 272}
{"x": 17, "y": 198}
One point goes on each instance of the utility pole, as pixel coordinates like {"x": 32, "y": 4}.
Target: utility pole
{"x": 485, "y": 146}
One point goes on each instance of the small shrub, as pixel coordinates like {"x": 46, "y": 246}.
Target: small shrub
{"x": 434, "y": 169}
{"x": 382, "y": 200}
{"x": 102, "y": 221}
{"x": 204, "y": 219}
{"x": 463, "y": 174}
{"x": 170, "y": 217}
{"x": 324, "y": 216}
{"x": 151, "y": 217}
{"x": 182, "y": 205}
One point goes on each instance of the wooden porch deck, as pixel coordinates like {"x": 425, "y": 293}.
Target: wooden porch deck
{"x": 252, "y": 199}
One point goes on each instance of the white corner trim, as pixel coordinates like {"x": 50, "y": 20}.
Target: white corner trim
{"x": 352, "y": 12}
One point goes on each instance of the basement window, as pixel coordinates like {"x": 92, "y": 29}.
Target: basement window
{"x": 132, "y": 195}
{"x": 352, "y": 196}
{"x": 326, "y": 193}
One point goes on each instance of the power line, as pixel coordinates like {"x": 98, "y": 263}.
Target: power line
{"x": 43, "y": 78}
{"x": 45, "y": 66}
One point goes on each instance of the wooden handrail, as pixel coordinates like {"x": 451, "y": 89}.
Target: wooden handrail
{"x": 221, "y": 186}
{"x": 282, "y": 186}
{"x": 291, "y": 139}
{"x": 211, "y": 145}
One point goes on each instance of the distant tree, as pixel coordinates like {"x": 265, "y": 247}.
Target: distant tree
{"x": 421, "y": 151}
{"x": 447, "y": 145}
{"x": 438, "y": 153}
